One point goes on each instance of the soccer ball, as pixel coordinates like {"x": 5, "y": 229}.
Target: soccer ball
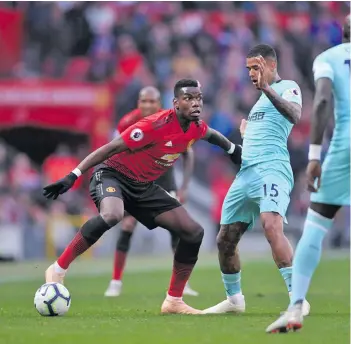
{"x": 52, "y": 299}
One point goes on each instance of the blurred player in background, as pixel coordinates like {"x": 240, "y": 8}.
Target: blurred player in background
{"x": 330, "y": 184}
{"x": 124, "y": 180}
{"x": 263, "y": 185}
{"x": 149, "y": 102}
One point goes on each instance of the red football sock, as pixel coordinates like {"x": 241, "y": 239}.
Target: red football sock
{"x": 76, "y": 247}
{"x": 119, "y": 264}
{"x": 180, "y": 275}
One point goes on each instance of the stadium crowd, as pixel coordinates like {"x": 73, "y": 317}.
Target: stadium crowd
{"x": 130, "y": 45}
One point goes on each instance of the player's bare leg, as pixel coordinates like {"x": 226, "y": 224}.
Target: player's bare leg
{"x": 187, "y": 289}
{"x": 228, "y": 255}
{"x": 128, "y": 225}
{"x": 111, "y": 212}
{"x": 186, "y": 254}
{"x": 282, "y": 251}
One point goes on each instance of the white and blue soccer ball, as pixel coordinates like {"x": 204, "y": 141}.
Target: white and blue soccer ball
{"x": 52, "y": 299}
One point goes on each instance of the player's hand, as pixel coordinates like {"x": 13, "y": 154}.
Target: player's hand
{"x": 313, "y": 172}
{"x": 182, "y": 195}
{"x": 243, "y": 125}
{"x": 52, "y": 191}
{"x": 235, "y": 157}
{"x": 262, "y": 82}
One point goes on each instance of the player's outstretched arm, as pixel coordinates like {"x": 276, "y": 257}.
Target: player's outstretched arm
{"x": 116, "y": 146}
{"x": 217, "y": 139}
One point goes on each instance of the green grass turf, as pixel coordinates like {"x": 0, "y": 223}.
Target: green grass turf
{"x": 134, "y": 317}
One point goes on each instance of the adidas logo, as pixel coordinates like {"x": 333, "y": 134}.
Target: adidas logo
{"x": 169, "y": 144}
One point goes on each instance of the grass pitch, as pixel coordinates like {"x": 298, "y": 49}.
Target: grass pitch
{"x": 134, "y": 317}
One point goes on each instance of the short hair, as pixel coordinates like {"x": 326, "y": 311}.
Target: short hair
{"x": 185, "y": 83}
{"x": 264, "y": 50}
{"x": 150, "y": 89}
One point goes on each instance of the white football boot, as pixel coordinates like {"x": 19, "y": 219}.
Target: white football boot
{"x": 114, "y": 289}
{"x": 233, "y": 304}
{"x": 306, "y": 307}
{"x": 189, "y": 291}
{"x": 292, "y": 319}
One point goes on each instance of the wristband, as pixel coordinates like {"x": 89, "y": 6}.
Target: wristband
{"x": 315, "y": 152}
{"x": 231, "y": 149}
{"x": 77, "y": 172}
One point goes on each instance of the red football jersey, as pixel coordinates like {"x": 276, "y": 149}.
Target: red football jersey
{"x": 155, "y": 143}
{"x": 129, "y": 119}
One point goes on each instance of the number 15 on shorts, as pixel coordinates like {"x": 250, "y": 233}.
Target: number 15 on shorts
{"x": 270, "y": 190}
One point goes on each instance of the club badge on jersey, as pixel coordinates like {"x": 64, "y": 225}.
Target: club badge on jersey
{"x": 170, "y": 157}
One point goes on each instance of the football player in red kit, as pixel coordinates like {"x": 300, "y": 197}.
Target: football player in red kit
{"x": 124, "y": 181}
{"x": 149, "y": 102}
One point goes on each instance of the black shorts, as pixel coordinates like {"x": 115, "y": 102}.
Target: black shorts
{"x": 144, "y": 201}
{"x": 167, "y": 181}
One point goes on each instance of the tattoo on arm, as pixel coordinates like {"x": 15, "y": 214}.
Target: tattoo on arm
{"x": 216, "y": 138}
{"x": 116, "y": 146}
{"x": 322, "y": 108}
{"x": 290, "y": 110}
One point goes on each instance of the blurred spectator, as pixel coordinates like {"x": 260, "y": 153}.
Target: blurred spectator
{"x": 100, "y": 16}
{"x": 186, "y": 64}
{"x": 22, "y": 175}
{"x": 80, "y": 33}
{"x": 129, "y": 59}
{"x": 60, "y": 163}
